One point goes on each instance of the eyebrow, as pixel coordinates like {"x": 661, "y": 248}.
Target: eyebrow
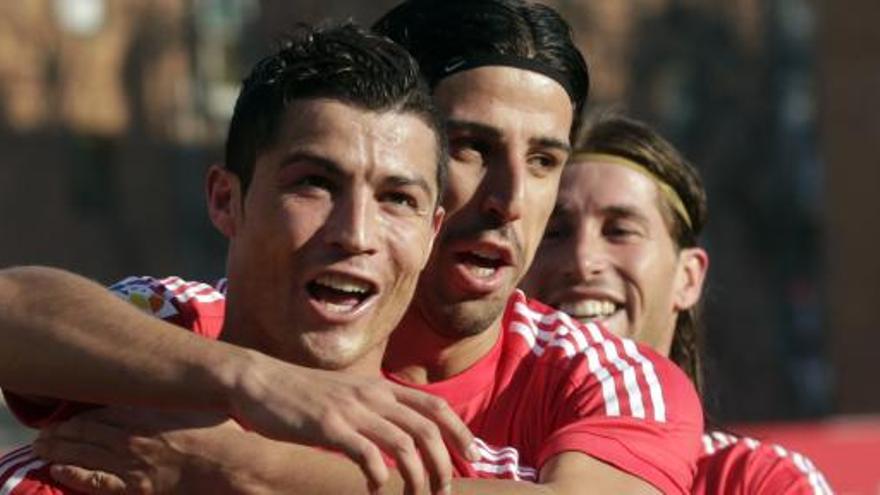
{"x": 494, "y": 133}
{"x": 324, "y": 163}
{"x": 333, "y": 168}
{"x": 403, "y": 181}
{"x": 625, "y": 211}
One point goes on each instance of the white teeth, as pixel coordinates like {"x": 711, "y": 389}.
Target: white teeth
{"x": 339, "y": 308}
{"x": 588, "y": 308}
{"x": 482, "y": 272}
{"x": 489, "y": 254}
{"x": 343, "y": 283}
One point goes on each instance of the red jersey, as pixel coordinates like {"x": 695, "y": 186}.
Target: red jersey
{"x": 549, "y": 385}
{"x": 552, "y": 384}
{"x": 195, "y": 306}
{"x": 732, "y": 465}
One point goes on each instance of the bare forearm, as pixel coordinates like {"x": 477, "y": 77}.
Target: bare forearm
{"x": 295, "y": 469}
{"x": 64, "y": 336}
{"x": 257, "y": 466}
{"x": 260, "y": 466}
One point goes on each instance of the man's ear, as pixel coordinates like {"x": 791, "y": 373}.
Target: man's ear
{"x": 437, "y": 221}
{"x": 693, "y": 264}
{"x": 436, "y": 224}
{"x": 223, "y": 192}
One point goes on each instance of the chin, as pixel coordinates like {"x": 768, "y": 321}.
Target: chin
{"x": 332, "y": 361}
{"x": 335, "y": 352}
{"x": 468, "y": 318}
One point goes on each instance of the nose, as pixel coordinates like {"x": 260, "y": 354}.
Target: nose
{"x": 506, "y": 188}
{"x": 352, "y": 227}
{"x": 589, "y": 253}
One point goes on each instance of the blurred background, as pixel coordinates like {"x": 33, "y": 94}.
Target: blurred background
{"x": 111, "y": 110}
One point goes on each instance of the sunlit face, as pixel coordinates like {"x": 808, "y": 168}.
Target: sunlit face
{"x": 337, "y": 222}
{"x": 508, "y": 133}
{"x": 608, "y": 255}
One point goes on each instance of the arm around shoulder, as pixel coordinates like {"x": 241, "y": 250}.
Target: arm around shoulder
{"x": 66, "y": 337}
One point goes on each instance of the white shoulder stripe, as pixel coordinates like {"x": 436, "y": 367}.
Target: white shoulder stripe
{"x": 658, "y": 404}
{"x": 183, "y": 291}
{"x": 629, "y": 379}
{"x": 201, "y": 293}
{"x": 15, "y": 457}
{"x": 567, "y": 330}
{"x": 708, "y": 445}
{"x": 751, "y": 443}
{"x": 609, "y": 388}
{"x": 723, "y": 439}
{"x": 172, "y": 283}
{"x": 15, "y": 454}
{"x": 595, "y": 364}
{"x": 817, "y": 481}
{"x": 654, "y": 389}
{"x": 582, "y": 345}
{"x": 527, "y": 334}
{"x": 718, "y": 440}
{"x": 19, "y": 475}
{"x": 502, "y": 460}
{"x": 516, "y": 474}
{"x": 628, "y": 372}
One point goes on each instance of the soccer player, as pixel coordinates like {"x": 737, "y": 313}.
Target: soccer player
{"x": 330, "y": 200}
{"x": 572, "y": 408}
{"x": 622, "y": 250}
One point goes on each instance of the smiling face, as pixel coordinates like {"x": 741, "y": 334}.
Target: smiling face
{"x": 508, "y": 136}
{"x": 326, "y": 247}
{"x": 608, "y": 255}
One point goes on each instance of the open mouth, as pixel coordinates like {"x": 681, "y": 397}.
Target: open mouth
{"x": 482, "y": 263}
{"x": 340, "y": 293}
{"x": 587, "y": 310}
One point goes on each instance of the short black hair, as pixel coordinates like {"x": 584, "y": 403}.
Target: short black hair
{"x": 437, "y": 32}
{"x": 342, "y": 61}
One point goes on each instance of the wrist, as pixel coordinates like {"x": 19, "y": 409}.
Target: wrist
{"x": 231, "y": 370}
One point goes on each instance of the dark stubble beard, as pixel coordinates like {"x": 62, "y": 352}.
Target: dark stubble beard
{"x": 455, "y": 319}
{"x": 461, "y": 319}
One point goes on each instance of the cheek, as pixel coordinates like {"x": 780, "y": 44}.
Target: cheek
{"x": 461, "y": 185}
{"x": 549, "y": 257}
{"x": 539, "y": 201}
{"x": 534, "y": 225}
{"x": 540, "y": 274}
{"x": 651, "y": 271}
{"x": 408, "y": 244}
{"x": 299, "y": 221}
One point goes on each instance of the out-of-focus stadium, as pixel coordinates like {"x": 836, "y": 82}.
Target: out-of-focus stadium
{"x": 111, "y": 110}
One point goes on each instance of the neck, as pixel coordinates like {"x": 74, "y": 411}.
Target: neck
{"x": 422, "y": 350}
{"x": 235, "y": 329}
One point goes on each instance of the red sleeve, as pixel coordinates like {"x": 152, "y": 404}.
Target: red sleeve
{"x": 633, "y": 409}
{"x": 744, "y": 465}
{"x": 22, "y": 473}
{"x": 195, "y": 306}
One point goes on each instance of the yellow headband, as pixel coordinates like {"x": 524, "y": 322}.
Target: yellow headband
{"x": 665, "y": 189}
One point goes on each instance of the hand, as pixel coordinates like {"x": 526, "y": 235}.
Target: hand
{"x": 357, "y": 415}
{"x": 123, "y": 451}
